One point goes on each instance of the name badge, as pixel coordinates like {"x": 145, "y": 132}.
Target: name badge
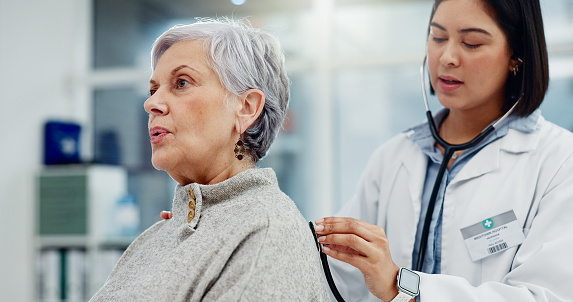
{"x": 493, "y": 235}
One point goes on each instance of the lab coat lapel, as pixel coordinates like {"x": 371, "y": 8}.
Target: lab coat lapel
{"x": 415, "y": 163}
{"x": 487, "y": 159}
{"x": 518, "y": 141}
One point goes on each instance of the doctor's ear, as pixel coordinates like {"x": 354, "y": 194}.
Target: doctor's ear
{"x": 251, "y": 105}
{"x": 514, "y": 64}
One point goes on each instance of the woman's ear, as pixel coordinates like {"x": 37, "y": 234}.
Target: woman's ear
{"x": 515, "y": 63}
{"x": 250, "y": 107}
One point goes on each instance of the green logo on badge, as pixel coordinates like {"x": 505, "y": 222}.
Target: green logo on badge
{"x": 488, "y": 223}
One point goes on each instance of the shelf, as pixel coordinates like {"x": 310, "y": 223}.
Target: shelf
{"x": 62, "y": 241}
{"x": 76, "y": 241}
{"x": 44, "y": 242}
{"x": 120, "y": 243}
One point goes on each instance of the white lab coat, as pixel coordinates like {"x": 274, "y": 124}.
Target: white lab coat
{"x": 519, "y": 171}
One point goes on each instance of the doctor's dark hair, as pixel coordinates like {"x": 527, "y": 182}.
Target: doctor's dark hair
{"x": 243, "y": 57}
{"x": 522, "y": 23}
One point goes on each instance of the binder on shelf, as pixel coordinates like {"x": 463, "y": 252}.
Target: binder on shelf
{"x": 62, "y": 275}
{"x": 75, "y": 286}
{"x": 50, "y": 273}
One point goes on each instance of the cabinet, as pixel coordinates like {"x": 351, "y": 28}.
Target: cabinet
{"x": 78, "y": 240}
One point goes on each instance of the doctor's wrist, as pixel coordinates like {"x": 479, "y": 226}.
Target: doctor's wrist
{"x": 391, "y": 289}
{"x": 391, "y": 296}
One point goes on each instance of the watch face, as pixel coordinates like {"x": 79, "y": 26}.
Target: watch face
{"x": 409, "y": 281}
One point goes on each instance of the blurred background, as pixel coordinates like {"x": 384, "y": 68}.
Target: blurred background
{"x": 354, "y": 66}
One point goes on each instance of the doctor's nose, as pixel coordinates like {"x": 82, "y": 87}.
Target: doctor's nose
{"x": 155, "y": 105}
{"x": 449, "y": 57}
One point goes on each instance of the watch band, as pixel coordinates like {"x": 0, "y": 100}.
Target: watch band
{"x": 402, "y": 297}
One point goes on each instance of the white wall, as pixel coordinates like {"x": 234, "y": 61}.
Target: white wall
{"x": 43, "y": 51}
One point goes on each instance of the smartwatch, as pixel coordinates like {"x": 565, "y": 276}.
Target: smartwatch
{"x": 408, "y": 285}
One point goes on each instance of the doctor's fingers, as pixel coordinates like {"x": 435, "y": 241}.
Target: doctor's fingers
{"x": 354, "y": 245}
{"x": 342, "y": 248}
{"x": 355, "y": 259}
{"x": 341, "y": 225}
{"x": 374, "y": 262}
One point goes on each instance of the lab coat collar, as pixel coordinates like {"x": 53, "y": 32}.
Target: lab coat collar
{"x": 521, "y": 137}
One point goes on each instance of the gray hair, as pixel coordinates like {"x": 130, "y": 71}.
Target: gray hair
{"x": 244, "y": 58}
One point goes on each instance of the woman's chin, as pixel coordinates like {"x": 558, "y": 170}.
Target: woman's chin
{"x": 160, "y": 163}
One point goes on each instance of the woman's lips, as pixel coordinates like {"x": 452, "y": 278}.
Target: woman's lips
{"x": 449, "y": 83}
{"x": 156, "y": 134}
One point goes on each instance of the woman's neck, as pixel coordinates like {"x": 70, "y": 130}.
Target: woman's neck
{"x": 462, "y": 126}
{"x": 209, "y": 174}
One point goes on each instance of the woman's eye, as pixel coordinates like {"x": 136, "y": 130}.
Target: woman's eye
{"x": 152, "y": 92}
{"x": 473, "y": 46}
{"x": 182, "y": 83}
{"x": 438, "y": 40}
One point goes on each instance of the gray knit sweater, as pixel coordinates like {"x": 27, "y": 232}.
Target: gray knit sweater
{"x": 246, "y": 241}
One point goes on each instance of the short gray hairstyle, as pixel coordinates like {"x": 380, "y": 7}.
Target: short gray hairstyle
{"x": 244, "y": 58}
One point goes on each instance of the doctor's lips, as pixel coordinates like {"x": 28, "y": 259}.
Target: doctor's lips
{"x": 449, "y": 83}
{"x": 156, "y": 134}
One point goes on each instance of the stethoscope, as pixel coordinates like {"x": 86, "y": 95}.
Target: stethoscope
{"x": 449, "y": 151}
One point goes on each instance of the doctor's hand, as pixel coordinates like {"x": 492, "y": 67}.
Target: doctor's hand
{"x": 363, "y": 246}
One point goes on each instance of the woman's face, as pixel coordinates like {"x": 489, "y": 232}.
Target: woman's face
{"x": 469, "y": 57}
{"x": 190, "y": 125}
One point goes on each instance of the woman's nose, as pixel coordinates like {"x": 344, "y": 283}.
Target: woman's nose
{"x": 154, "y": 105}
{"x": 449, "y": 57}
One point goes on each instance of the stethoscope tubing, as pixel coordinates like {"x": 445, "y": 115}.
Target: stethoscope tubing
{"x": 325, "y": 266}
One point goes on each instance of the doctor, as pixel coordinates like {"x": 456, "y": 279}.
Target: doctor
{"x": 501, "y": 226}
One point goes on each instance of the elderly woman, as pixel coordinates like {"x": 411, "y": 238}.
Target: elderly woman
{"x": 218, "y": 96}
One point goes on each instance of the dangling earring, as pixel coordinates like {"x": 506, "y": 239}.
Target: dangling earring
{"x": 239, "y": 149}
{"x": 515, "y": 68}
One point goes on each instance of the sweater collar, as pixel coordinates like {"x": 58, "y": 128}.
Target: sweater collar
{"x": 191, "y": 200}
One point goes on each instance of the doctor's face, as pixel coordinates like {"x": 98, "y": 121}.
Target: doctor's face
{"x": 468, "y": 57}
